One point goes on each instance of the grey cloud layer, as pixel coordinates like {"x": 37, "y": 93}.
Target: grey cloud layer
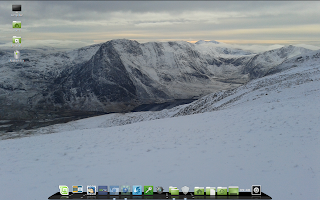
{"x": 167, "y": 19}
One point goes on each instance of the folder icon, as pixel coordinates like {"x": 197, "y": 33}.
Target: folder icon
{"x": 198, "y": 190}
{"x": 233, "y": 190}
{"x": 174, "y": 191}
{"x": 171, "y": 187}
{"x": 16, "y": 24}
{"x": 210, "y": 191}
{"x": 222, "y": 191}
{"x": 16, "y": 40}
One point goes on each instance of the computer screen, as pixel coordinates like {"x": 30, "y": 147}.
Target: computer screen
{"x": 159, "y": 99}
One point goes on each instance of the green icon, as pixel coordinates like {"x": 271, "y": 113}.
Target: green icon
{"x": 64, "y": 190}
{"x": 16, "y": 40}
{"x": 174, "y": 191}
{"x": 148, "y": 190}
{"x": 16, "y": 24}
{"x": 171, "y": 187}
{"x": 233, "y": 190}
{"x": 222, "y": 191}
{"x": 210, "y": 191}
{"x": 198, "y": 190}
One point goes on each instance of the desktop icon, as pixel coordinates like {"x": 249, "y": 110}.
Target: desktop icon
{"x": 159, "y": 189}
{"x": 114, "y": 190}
{"x": 136, "y": 190}
{"x": 64, "y": 190}
{"x": 102, "y": 190}
{"x": 256, "y": 190}
{"x": 16, "y": 8}
{"x": 16, "y": 54}
{"x": 185, "y": 190}
{"x": 233, "y": 190}
{"x": 174, "y": 191}
{"x": 16, "y": 40}
{"x": 222, "y": 191}
{"x": 148, "y": 190}
{"x": 171, "y": 187}
{"x": 125, "y": 190}
{"x": 198, "y": 190}
{"x": 91, "y": 190}
{"x": 77, "y": 189}
{"x": 16, "y": 24}
{"x": 210, "y": 191}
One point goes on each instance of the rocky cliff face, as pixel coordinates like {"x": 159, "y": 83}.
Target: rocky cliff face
{"x": 119, "y": 75}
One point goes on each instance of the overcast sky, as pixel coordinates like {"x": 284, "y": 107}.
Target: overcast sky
{"x": 80, "y": 23}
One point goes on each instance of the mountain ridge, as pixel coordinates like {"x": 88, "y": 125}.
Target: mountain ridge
{"x": 119, "y": 75}
{"x": 306, "y": 71}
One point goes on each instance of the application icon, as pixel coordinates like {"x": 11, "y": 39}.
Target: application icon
{"x": 174, "y": 191}
{"x": 159, "y": 189}
{"x": 102, "y": 190}
{"x": 16, "y": 54}
{"x": 148, "y": 190}
{"x": 77, "y": 189}
{"x": 171, "y": 187}
{"x": 64, "y": 190}
{"x": 91, "y": 190}
{"x": 136, "y": 190}
{"x": 114, "y": 190}
{"x": 233, "y": 190}
{"x": 16, "y": 8}
{"x": 256, "y": 190}
{"x": 210, "y": 191}
{"x": 222, "y": 191}
{"x": 16, "y": 40}
{"x": 198, "y": 190}
{"x": 125, "y": 190}
{"x": 16, "y": 24}
{"x": 185, "y": 190}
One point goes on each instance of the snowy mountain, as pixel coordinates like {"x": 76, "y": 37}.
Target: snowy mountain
{"x": 219, "y": 49}
{"x": 119, "y": 75}
{"x": 264, "y": 132}
{"x": 23, "y": 85}
{"x": 260, "y": 64}
{"x": 298, "y": 70}
{"x": 207, "y": 42}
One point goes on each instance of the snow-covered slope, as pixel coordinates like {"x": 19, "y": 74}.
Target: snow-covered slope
{"x": 24, "y": 85}
{"x": 297, "y": 70}
{"x": 119, "y": 75}
{"x": 220, "y": 49}
{"x": 265, "y": 132}
{"x": 124, "y": 74}
{"x": 260, "y": 64}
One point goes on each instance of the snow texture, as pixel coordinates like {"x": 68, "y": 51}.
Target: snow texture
{"x": 265, "y": 132}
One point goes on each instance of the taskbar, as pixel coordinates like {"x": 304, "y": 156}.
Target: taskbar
{"x": 190, "y": 195}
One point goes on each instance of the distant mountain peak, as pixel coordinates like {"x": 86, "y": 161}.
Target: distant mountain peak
{"x": 207, "y": 42}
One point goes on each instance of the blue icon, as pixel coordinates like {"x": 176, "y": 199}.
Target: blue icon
{"x": 102, "y": 190}
{"x": 91, "y": 190}
{"x": 114, "y": 190}
{"x": 125, "y": 190}
{"x": 136, "y": 190}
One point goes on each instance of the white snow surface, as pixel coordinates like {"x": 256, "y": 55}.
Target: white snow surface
{"x": 265, "y": 132}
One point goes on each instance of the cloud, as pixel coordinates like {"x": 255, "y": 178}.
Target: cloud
{"x": 252, "y": 21}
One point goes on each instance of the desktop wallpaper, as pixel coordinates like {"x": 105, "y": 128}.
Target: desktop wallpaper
{"x": 161, "y": 93}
